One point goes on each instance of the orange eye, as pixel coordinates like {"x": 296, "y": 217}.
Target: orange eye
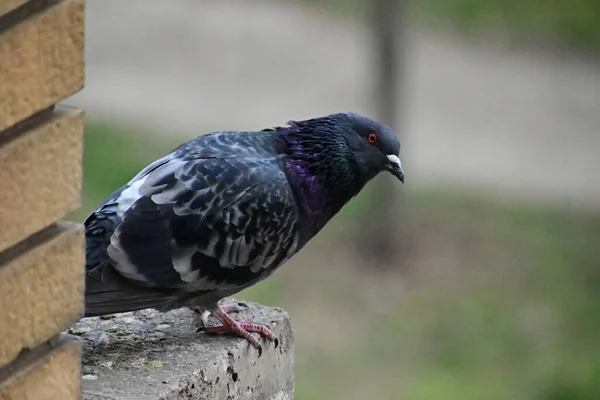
{"x": 372, "y": 138}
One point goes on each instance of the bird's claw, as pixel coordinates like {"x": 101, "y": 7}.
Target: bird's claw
{"x": 236, "y": 306}
{"x": 233, "y": 307}
{"x": 242, "y": 329}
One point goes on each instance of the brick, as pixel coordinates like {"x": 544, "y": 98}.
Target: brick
{"x": 52, "y": 374}
{"x": 41, "y": 287}
{"x": 9, "y": 5}
{"x": 41, "y": 174}
{"x": 41, "y": 60}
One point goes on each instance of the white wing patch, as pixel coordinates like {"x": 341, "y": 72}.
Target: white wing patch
{"x": 158, "y": 163}
{"x": 129, "y": 196}
{"x": 182, "y": 263}
{"x": 121, "y": 261}
{"x": 147, "y": 184}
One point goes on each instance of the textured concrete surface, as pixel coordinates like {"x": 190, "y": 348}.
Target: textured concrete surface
{"x": 151, "y": 355}
{"x": 49, "y": 372}
{"x": 510, "y": 123}
{"x": 41, "y": 60}
{"x": 41, "y": 288}
{"x": 41, "y": 174}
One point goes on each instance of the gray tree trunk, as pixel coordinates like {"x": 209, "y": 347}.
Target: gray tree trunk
{"x": 384, "y": 230}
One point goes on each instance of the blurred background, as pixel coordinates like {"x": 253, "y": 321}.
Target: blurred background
{"x": 478, "y": 279}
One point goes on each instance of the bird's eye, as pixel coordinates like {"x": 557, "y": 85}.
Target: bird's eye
{"x": 372, "y": 138}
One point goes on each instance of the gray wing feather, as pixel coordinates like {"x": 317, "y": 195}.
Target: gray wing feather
{"x": 238, "y": 214}
{"x": 215, "y": 215}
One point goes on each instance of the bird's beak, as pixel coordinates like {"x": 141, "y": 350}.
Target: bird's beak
{"x": 395, "y": 167}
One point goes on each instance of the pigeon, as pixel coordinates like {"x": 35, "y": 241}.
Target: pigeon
{"x": 223, "y": 211}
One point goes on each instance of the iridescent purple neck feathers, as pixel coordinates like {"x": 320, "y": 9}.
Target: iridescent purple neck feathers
{"x": 311, "y": 189}
{"x": 319, "y": 166}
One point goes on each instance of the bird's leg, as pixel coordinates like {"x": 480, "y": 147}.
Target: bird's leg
{"x": 241, "y": 329}
{"x": 204, "y": 314}
{"x": 228, "y": 308}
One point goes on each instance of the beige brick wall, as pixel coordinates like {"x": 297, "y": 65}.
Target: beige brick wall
{"x": 41, "y": 288}
{"x": 41, "y": 60}
{"x": 50, "y": 373}
{"x": 40, "y": 181}
{"x": 41, "y": 150}
{"x": 9, "y": 5}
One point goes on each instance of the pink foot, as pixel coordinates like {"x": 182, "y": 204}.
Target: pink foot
{"x": 242, "y": 329}
{"x": 227, "y": 308}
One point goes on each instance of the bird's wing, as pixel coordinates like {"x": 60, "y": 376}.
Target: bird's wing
{"x": 204, "y": 223}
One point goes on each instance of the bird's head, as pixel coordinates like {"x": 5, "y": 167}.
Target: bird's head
{"x": 362, "y": 145}
{"x": 331, "y": 158}
{"x": 375, "y": 147}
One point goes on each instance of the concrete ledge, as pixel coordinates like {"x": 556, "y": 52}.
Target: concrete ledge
{"x": 151, "y": 355}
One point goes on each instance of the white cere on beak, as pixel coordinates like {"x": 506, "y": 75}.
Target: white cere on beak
{"x": 394, "y": 160}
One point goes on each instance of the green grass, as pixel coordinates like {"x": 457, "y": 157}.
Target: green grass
{"x": 530, "y": 328}
{"x": 573, "y": 23}
{"x": 511, "y": 311}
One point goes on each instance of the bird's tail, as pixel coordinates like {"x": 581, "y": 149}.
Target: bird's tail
{"x": 107, "y": 292}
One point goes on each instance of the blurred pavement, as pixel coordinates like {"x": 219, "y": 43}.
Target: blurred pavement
{"x": 516, "y": 124}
